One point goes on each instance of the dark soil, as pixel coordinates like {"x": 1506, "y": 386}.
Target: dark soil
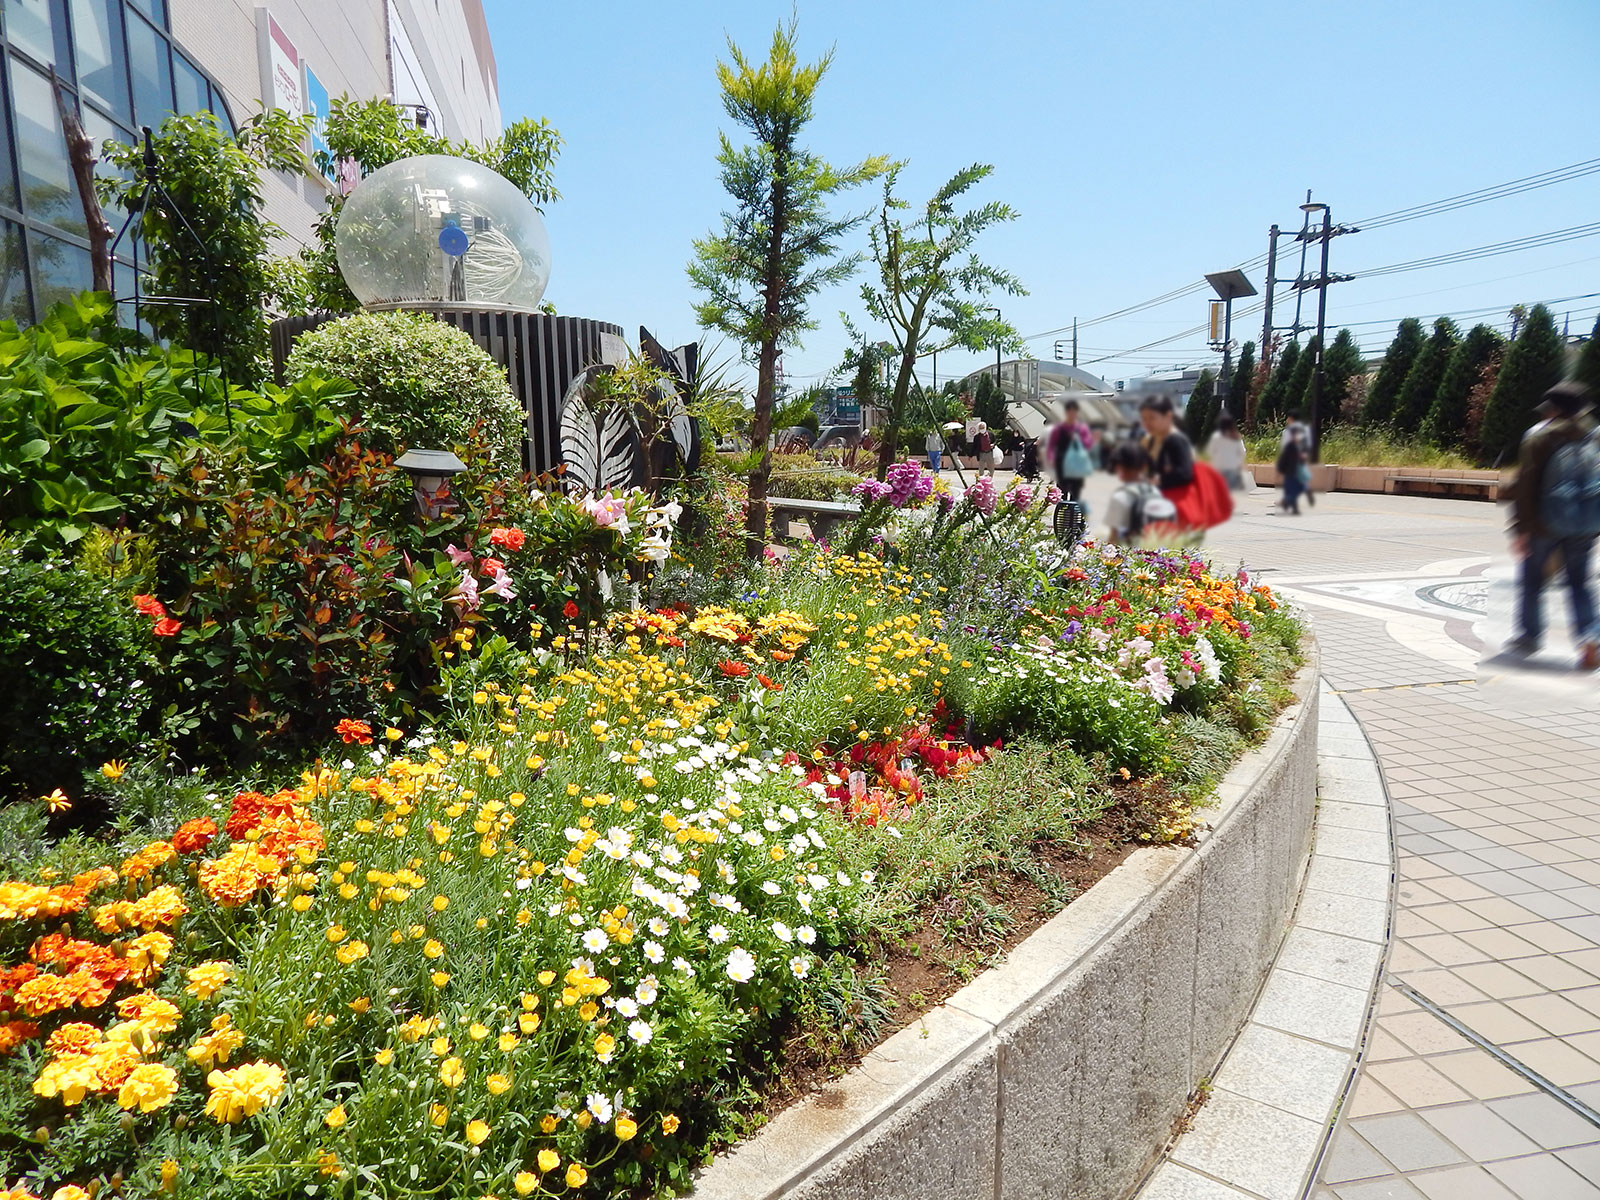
{"x": 959, "y": 935}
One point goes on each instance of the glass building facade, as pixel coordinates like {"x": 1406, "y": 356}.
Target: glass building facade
{"x": 118, "y": 64}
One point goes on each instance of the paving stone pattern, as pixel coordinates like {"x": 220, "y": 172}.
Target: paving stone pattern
{"x": 1496, "y": 817}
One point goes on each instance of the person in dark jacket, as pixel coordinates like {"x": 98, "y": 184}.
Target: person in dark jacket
{"x": 1171, "y": 453}
{"x": 1565, "y": 408}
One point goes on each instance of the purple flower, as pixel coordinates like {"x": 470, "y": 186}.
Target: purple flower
{"x": 946, "y": 502}
{"x": 871, "y": 490}
{"x": 908, "y": 483}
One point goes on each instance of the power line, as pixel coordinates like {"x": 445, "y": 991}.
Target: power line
{"x": 1533, "y": 242}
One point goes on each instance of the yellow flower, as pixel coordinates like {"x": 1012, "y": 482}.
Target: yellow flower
{"x": 547, "y": 977}
{"x": 148, "y": 1087}
{"x": 350, "y": 952}
{"x": 604, "y": 1045}
{"x": 336, "y": 1117}
{"x": 243, "y": 1091}
{"x": 477, "y": 1031}
{"x": 301, "y": 903}
{"x": 670, "y": 1123}
{"x": 113, "y": 770}
{"x": 360, "y": 1004}
{"x": 328, "y": 1162}
{"x": 440, "y": 903}
{"x": 477, "y": 1132}
{"x": 527, "y": 1022}
{"x": 498, "y": 1084}
{"x": 432, "y": 948}
{"x": 57, "y": 801}
{"x": 576, "y": 1176}
{"x": 169, "y": 1174}
{"x": 206, "y": 980}
{"x": 70, "y": 1191}
{"x": 440, "y": 978}
{"x": 549, "y": 1160}
{"x": 589, "y": 1010}
{"x": 438, "y": 1114}
{"x": 626, "y": 1128}
{"x": 508, "y": 1042}
{"x": 525, "y": 1182}
{"x": 441, "y": 1046}
{"x": 384, "y": 1057}
{"x": 451, "y": 1073}
{"x": 337, "y": 934}
{"x": 393, "y": 734}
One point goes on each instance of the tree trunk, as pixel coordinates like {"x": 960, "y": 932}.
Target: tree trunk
{"x": 889, "y": 451}
{"x": 755, "y": 540}
{"x": 81, "y": 155}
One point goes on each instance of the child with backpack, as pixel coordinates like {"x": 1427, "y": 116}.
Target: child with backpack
{"x": 1556, "y": 507}
{"x": 1137, "y": 507}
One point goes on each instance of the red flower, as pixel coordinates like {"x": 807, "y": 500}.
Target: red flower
{"x": 149, "y": 606}
{"x": 768, "y": 684}
{"x": 512, "y": 539}
{"x": 733, "y": 670}
{"x": 194, "y": 836}
{"x": 569, "y": 611}
{"x": 167, "y": 627}
{"x": 490, "y": 567}
{"x": 354, "y": 731}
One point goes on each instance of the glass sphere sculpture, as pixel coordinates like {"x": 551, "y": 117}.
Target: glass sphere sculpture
{"x": 439, "y": 230}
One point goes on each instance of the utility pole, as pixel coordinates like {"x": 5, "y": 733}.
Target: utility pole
{"x": 1321, "y": 282}
{"x": 1074, "y": 341}
{"x": 1305, "y": 244}
{"x": 1272, "y": 281}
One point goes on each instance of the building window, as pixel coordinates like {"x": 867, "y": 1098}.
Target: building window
{"x": 149, "y": 56}
{"x": 48, "y": 191}
{"x": 14, "y": 302}
{"x": 156, "y": 10}
{"x": 97, "y": 37}
{"x": 37, "y": 27}
{"x": 60, "y": 270}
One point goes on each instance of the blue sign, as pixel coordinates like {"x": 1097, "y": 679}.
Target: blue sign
{"x": 846, "y": 408}
{"x": 317, "y": 109}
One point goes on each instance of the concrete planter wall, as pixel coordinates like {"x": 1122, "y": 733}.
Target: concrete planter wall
{"x": 1330, "y": 477}
{"x": 1062, "y": 1072}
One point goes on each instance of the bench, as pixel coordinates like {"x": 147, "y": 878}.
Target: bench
{"x": 820, "y": 516}
{"x": 1440, "y": 482}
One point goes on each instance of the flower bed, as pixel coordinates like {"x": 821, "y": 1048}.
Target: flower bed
{"x": 551, "y": 943}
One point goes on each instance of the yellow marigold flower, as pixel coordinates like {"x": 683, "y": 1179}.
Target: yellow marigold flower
{"x": 148, "y": 1087}
{"x": 440, "y": 978}
{"x": 498, "y": 1084}
{"x": 146, "y": 955}
{"x": 576, "y": 1176}
{"x": 206, "y": 980}
{"x": 113, "y": 770}
{"x": 218, "y": 1045}
{"x": 477, "y": 1132}
{"x": 525, "y": 1182}
{"x": 549, "y": 1160}
{"x": 626, "y": 1128}
{"x": 384, "y": 1057}
{"x": 243, "y": 1091}
{"x": 70, "y": 1191}
{"x": 451, "y": 1073}
{"x": 438, "y": 1114}
{"x": 336, "y": 1117}
{"x": 670, "y": 1123}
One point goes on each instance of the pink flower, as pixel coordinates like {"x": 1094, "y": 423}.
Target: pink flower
{"x": 466, "y": 592}
{"x": 981, "y": 495}
{"x": 1052, "y": 495}
{"x": 461, "y": 558}
{"x": 501, "y": 586}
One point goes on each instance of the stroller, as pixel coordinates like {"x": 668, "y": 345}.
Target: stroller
{"x": 1028, "y": 463}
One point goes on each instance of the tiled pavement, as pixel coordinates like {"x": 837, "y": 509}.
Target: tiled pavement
{"x": 1481, "y": 1077}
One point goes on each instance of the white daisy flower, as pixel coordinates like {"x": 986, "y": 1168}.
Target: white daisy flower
{"x": 595, "y": 941}
{"x": 741, "y": 965}
{"x": 654, "y": 951}
{"x": 640, "y": 1032}
{"x": 718, "y": 934}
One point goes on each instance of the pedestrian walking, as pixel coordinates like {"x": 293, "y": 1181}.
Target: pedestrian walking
{"x": 985, "y": 445}
{"x": 934, "y": 445}
{"x": 1196, "y": 490}
{"x": 1555, "y": 508}
{"x": 1291, "y": 463}
{"x": 1297, "y": 431}
{"x": 1136, "y": 508}
{"x": 1070, "y": 451}
{"x": 1226, "y": 452}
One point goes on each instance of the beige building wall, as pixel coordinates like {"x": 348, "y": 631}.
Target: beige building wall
{"x": 351, "y": 46}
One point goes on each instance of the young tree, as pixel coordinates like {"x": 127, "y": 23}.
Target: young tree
{"x": 779, "y": 245}
{"x": 1297, "y": 393}
{"x": 210, "y": 240}
{"x": 989, "y": 403}
{"x": 1446, "y": 422}
{"x": 1421, "y": 387}
{"x": 1385, "y": 390}
{"x": 1532, "y": 365}
{"x": 1341, "y": 364}
{"x": 1243, "y": 379}
{"x": 929, "y": 285}
{"x": 1273, "y": 402}
{"x": 1588, "y": 369}
{"x": 1200, "y": 417}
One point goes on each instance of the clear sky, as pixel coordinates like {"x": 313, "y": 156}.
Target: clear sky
{"x": 1143, "y": 142}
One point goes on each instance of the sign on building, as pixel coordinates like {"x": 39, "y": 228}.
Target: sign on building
{"x": 281, "y": 85}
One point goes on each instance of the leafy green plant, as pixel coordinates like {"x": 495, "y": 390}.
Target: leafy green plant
{"x": 418, "y": 381}
{"x": 80, "y": 672}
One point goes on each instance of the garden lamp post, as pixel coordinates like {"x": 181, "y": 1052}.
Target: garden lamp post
{"x": 430, "y": 472}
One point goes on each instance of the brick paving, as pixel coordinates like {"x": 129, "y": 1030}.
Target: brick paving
{"x": 1481, "y": 1078}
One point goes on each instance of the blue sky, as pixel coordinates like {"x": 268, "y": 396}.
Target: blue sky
{"x": 1143, "y": 142}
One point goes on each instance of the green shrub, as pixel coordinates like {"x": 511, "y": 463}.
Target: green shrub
{"x": 79, "y": 667}
{"x": 816, "y": 483}
{"x": 419, "y": 382}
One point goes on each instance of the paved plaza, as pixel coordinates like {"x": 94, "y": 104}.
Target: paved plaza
{"x": 1480, "y": 1078}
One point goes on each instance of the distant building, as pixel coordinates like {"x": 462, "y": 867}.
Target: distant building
{"x": 129, "y": 63}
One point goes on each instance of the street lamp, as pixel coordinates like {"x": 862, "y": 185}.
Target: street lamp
{"x": 431, "y": 471}
{"x": 1227, "y": 285}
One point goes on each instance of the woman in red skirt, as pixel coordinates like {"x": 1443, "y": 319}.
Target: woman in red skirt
{"x": 1196, "y": 490}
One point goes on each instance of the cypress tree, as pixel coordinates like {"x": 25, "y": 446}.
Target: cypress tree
{"x": 1421, "y": 385}
{"x": 1239, "y": 383}
{"x": 1532, "y": 365}
{"x": 1588, "y": 370}
{"x": 1446, "y": 422}
{"x": 1297, "y": 395}
{"x": 1341, "y": 364}
{"x": 1271, "y": 405}
{"x": 1381, "y": 397}
{"x": 1200, "y": 417}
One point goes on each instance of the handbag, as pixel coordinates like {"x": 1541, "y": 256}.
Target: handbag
{"x": 1077, "y": 462}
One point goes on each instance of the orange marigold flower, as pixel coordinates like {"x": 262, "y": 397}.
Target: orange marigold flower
{"x": 156, "y": 854}
{"x": 239, "y": 874}
{"x": 354, "y": 731}
{"x": 14, "y": 1033}
{"x": 194, "y": 836}
{"x": 75, "y": 1037}
{"x": 733, "y": 670}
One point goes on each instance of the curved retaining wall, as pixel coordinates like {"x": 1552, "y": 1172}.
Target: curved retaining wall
{"x": 1061, "y": 1073}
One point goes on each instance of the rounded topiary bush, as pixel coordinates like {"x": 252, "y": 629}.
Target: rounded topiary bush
{"x": 79, "y": 666}
{"x": 420, "y": 382}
